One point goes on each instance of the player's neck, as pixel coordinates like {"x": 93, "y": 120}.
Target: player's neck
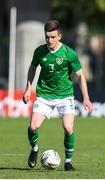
{"x": 56, "y": 48}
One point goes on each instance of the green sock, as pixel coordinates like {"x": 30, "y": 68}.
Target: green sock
{"x": 33, "y": 137}
{"x": 69, "y": 145}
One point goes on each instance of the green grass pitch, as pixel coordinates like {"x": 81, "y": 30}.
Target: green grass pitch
{"x": 88, "y": 158}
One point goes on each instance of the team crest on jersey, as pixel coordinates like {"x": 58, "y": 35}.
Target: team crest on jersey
{"x": 59, "y": 61}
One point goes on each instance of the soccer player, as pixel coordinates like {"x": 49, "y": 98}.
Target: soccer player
{"x": 54, "y": 89}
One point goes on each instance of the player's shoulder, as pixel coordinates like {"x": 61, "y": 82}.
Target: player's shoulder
{"x": 41, "y": 47}
{"x": 41, "y": 51}
{"x": 70, "y": 51}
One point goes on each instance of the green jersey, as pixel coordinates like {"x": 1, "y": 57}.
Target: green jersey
{"x": 56, "y": 67}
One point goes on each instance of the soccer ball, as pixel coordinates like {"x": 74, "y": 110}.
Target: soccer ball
{"x": 50, "y": 159}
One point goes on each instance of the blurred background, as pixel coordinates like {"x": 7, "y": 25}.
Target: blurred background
{"x": 21, "y": 31}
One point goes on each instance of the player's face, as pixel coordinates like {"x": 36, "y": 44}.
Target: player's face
{"x": 53, "y": 39}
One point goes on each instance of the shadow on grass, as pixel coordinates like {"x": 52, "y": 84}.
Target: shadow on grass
{"x": 14, "y": 168}
{"x": 28, "y": 169}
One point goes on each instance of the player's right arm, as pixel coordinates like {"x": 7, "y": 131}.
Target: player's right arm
{"x": 28, "y": 89}
{"x": 31, "y": 74}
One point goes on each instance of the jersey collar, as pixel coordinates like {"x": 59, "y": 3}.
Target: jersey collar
{"x": 60, "y": 44}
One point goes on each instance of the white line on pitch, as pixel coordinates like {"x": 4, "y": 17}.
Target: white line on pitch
{"x": 8, "y": 154}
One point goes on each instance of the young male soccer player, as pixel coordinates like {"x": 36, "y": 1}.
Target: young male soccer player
{"x": 54, "y": 89}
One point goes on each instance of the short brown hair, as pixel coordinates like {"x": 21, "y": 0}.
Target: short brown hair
{"x": 52, "y": 25}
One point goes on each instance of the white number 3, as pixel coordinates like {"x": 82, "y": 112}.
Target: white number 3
{"x": 51, "y": 67}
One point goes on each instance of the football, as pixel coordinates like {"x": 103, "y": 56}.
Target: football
{"x": 50, "y": 159}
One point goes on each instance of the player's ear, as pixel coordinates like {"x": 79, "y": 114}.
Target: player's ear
{"x": 60, "y": 36}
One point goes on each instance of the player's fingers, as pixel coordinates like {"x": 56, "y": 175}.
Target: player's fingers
{"x": 25, "y": 100}
{"x": 86, "y": 107}
{"x": 89, "y": 107}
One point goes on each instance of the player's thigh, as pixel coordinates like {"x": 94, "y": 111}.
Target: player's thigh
{"x": 37, "y": 119}
{"x": 68, "y": 122}
{"x": 42, "y": 108}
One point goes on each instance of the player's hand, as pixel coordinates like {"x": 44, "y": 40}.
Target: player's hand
{"x": 26, "y": 96}
{"x": 88, "y": 105}
{"x": 24, "y": 100}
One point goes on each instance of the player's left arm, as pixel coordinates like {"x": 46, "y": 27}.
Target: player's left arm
{"x": 83, "y": 85}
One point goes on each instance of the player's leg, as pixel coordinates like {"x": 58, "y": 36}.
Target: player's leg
{"x": 66, "y": 111}
{"x": 68, "y": 122}
{"x": 35, "y": 123}
{"x": 39, "y": 112}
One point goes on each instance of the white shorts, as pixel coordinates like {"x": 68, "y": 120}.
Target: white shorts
{"x": 47, "y": 106}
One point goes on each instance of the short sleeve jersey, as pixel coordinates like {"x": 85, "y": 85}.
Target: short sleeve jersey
{"x": 56, "y": 68}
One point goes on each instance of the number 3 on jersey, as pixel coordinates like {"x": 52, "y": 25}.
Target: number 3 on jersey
{"x": 51, "y": 67}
